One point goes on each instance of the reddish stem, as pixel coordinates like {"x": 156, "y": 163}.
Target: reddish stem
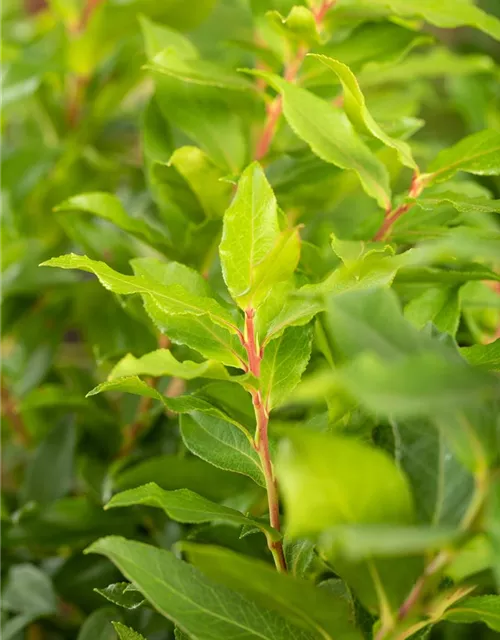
{"x": 392, "y": 215}
{"x": 290, "y": 73}
{"x": 261, "y": 441}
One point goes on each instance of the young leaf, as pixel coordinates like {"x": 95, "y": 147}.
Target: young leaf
{"x": 162, "y": 363}
{"x": 357, "y": 111}
{"x": 331, "y": 136}
{"x": 308, "y": 606}
{"x": 222, "y": 444}
{"x": 193, "y": 602}
{"x": 254, "y": 254}
{"x": 476, "y": 609}
{"x": 122, "y": 595}
{"x": 185, "y": 506}
{"x": 126, "y": 633}
{"x": 323, "y": 480}
{"x": 479, "y": 154}
{"x": 284, "y": 362}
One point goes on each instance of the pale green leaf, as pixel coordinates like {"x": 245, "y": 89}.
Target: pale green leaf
{"x": 479, "y": 154}
{"x": 421, "y": 384}
{"x": 201, "y": 72}
{"x": 126, "y": 633}
{"x": 158, "y": 37}
{"x": 357, "y": 111}
{"x": 441, "y": 306}
{"x": 485, "y": 356}
{"x": 283, "y": 364}
{"x": 458, "y": 201}
{"x": 204, "y": 178}
{"x": 298, "y": 27}
{"x": 109, "y": 207}
{"x": 331, "y": 136}
{"x": 476, "y": 609}
{"x": 320, "y": 613}
{"x": 173, "y": 299}
{"x": 162, "y": 363}
{"x": 324, "y": 483}
{"x": 185, "y": 506}
{"x": 197, "y": 605}
{"x": 251, "y": 241}
{"x": 448, "y": 14}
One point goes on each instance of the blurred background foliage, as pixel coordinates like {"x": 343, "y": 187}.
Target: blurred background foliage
{"x": 80, "y": 114}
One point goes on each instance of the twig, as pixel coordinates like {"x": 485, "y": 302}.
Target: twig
{"x": 261, "y": 440}
{"x": 275, "y": 108}
{"x": 391, "y": 216}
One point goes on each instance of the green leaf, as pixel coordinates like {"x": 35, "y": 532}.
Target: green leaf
{"x": 122, "y": 594}
{"x": 371, "y": 320}
{"x": 423, "y": 384}
{"x": 162, "y": 363}
{"x": 441, "y": 306}
{"x": 49, "y": 475}
{"x": 283, "y": 364}
{"x": 479, "y": 154}
{"x": 485, "y": 356}
{"x": 331, "y": 136}
{"x": 458, "y": 201}
{"x": 442, "y": 486}
{"x": 435, "y": 63}
{"x": 126, "y": 633}
{"x": 158, "y": 37}
{"x": 444, "y": 13}
{"x": 294, "y": 312}
{"x": 357, "y": 111}
{"x": 476, "y": 609}
{"x": 254, "y": 254}
{"x": 323, "y": 480}
{"x": 173, "y": 299}
{"x": 201, "y": 72}
{"x": 204, "y": 178}
{"x": 185, "y": 506}
{"x": 222, "y": 444}
{"x": 109, "y": 207}
{"x": 306, "y": 605}
{"x": 376, "y": 42}
{"x": 29, "y": 591}
{"x": 356, "y": 542}
{"x": 298, "y": 27}
{"x": 98, "y": 626}
{"x": 172, "y": 472}
{"x": 195, "y": 603}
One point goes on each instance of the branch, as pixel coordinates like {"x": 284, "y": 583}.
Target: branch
{"x": 261, "y": 441}
{"x": 391, "y": 216}
{"x": 291, "y": 70}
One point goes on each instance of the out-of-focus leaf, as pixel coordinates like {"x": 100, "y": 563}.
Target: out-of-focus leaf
{"x": 185, "y": 596}
{"x": 476, "y": 609}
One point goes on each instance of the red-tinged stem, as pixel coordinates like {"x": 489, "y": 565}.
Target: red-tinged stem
{"x": 261, "y": 440}
{"x": 392, "y": 215}
{"x": 275, "y": 108}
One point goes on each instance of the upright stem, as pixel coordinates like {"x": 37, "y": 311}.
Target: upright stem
{"x": 290, "y": 73}
{"x": 261, "y": 440}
